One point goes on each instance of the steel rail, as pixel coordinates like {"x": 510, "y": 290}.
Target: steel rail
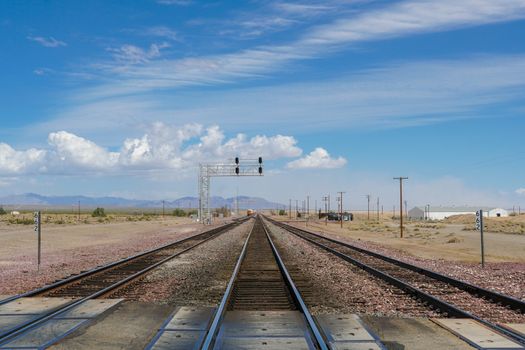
{"x": 297, "y": 295}
{"x": 26, "y": 326}
{"x": 79, "y": 276}
{"x": 443, "y": 306}
{"x": 221, "y": 309}
{"x": 507, "y": 300}
{"x": 219, "y": 315}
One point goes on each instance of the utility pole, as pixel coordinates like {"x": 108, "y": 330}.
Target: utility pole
{"x": 328, "y": 202}
{"x": 341, "y": 204}
{"x": 368, "y": 199}
{"x": 316, "y": 206}
{"x": 78, "y": 210}
{"x": 325, "y": 200}
{"x": 163, "y": 206}
{"x": 377, "y": 209}
{"x": 307, "y": 209}
{"x": 296, "y": 208}
{"x": 401, "y": 178}
{"x": 290, "y": 210}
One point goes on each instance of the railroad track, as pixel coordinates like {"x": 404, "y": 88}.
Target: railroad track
{"x": 451, "y": 297}
{"x": 103, "y": 280}
{"x": 260, "y": 281}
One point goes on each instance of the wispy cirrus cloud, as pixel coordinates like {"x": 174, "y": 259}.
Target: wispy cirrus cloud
{"x": 162, "y": 32}
{"x": 397, "y": 20}
{"x": 175, "y": 2}
{"x": 389, "y": 96}
{"x": 47, "y": 42}
{"x": 133, "y": 54}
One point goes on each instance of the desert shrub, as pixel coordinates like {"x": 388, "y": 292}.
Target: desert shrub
{"x": 99, "y": 212}
{"x": 22, "y": 221}
{"x": 282, "y": 212}
{"x": 178, "y": 212}
{"x": 2, "y": 211}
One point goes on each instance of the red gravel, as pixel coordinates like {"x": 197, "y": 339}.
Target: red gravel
{"x": 23, "y": 276}
{"x": 506, "y": 278}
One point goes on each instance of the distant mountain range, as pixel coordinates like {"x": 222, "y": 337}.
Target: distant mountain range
{"x": 33, "y": 199}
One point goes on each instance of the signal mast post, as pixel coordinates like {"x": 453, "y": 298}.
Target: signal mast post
{"x": 240, "y": 167}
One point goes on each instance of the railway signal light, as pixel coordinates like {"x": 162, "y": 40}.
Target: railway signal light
{"x": 260, "y": 170}
{"x": 260, "y": 160}
{"x": 236, "y": 160}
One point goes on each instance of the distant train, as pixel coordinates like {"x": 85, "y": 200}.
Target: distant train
{"x": 250, "y": 212}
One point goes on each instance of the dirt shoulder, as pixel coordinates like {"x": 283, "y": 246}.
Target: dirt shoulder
{"x": 451, "y": 242}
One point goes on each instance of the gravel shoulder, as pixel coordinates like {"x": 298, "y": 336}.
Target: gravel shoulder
{"x": 198, "y": 277}
{"x": 71, "y": 249}
{"x": 339, "y": 287}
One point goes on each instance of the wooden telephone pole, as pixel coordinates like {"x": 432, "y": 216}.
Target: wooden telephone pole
{"x": 401, "y": 202}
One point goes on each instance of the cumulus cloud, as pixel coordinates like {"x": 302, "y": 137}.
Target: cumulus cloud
{"x": 520, "y": 191}
{"x": 161, "y": 147}
{"x": 317, "y": 159}
{"x": 73, "y": 150}
{"x": 15, "y": 162}
{"x": 47, "y": 42}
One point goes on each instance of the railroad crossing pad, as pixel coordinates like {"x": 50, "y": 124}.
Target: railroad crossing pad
{"x": 516, "y": 327}
{"x": 413, "y": 333}
{"x": 347, "y": 332}
{"x": 186, "y": 328}
{"x": 25, "y": 309}
{"x": 57, "y": 327}
{"x": 477, "y": 334}
{"x": 264, "y": 329}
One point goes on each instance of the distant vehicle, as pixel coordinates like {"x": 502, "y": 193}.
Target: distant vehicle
{"x": 337, "y": 216}
{"x": 250, "y": 212}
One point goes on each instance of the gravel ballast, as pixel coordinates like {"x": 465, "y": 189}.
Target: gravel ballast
{"x": 198, "y": 277}
{"x": 340, "y": 287}
{"x": 507, "y": 278}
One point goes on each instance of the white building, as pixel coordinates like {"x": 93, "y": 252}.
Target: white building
{"x": 440, "y": 213}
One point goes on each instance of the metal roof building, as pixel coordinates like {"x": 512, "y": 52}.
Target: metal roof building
{"x": 440, "y": 213}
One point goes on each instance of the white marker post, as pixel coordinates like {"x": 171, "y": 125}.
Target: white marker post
{"x": 36, "y": 218}
{"x": 479, "y": 227}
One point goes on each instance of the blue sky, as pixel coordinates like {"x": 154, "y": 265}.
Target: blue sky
{"x": 116, "y": 98}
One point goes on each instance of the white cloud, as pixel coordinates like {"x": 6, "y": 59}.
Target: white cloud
{"x": 72, "y": 150}
{"x": 16, "y": 162}
{"x": 317, "y": 159}
{"x": 133, "y": 54}
{"x": 162, "y": 147}
{"x": 520, "y": 191}
{"x": 162, "y": 32}
{"x": 47, "y": 42}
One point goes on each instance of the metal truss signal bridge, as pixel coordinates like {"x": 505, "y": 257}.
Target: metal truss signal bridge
{"x": 237, "y": 167}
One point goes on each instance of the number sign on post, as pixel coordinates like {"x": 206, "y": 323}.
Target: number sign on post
{"x": 479, "y": 227}
{"x": 37, "y": 220}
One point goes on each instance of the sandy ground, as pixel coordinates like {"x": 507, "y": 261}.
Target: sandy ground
{"x": 69, "y": 249}
{"x": 445, "y": 241}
